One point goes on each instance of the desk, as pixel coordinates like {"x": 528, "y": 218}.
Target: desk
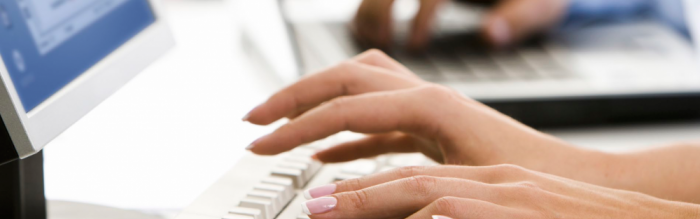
{"x": 171, "y": 132}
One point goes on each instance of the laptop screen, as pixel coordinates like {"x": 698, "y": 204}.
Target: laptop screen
{"x": 46, "y": 44}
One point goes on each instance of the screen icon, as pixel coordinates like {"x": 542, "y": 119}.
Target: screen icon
{"x": 5, "y": 18}
{"x": 19, "y": 61}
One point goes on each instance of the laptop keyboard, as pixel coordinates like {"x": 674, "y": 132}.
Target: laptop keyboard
{"x": 464, "y": 58}
{"x": 452, "y": 62}
{"x": 272, "y": 187}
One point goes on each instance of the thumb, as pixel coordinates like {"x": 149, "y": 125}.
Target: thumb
{"x": 514, "y": 20}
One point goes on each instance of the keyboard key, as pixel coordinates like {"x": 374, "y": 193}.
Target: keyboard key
{"x": 314, "y": 166}
{"x": 282, "y": 181}
{"x": 287, "y": 193}
{"x": 360, "y": 167}
{"x": 303, "y": 152}
{"x": 345, "y": 176}
{"x": 303, "y": 216}
{"x": 262, "y": 204}
{"x": 305, "y": 170}
{"x": 277, "y": 202}
{"x": 235, "y": 216}
{"x": 387, "y": 168}
{"x": 403, "y": 160}
{"x": 241, "y": 211}
{"x": 294, "y": 174}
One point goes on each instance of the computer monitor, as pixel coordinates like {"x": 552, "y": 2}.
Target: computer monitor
{"x": 61, "y": 58}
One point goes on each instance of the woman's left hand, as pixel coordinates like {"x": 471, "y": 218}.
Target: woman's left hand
{"x": 503, "y": 191}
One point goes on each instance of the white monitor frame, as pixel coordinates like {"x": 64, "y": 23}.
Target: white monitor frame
{"x": 31, "y": 131}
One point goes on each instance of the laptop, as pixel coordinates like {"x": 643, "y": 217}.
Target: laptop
{"x": 599, "y": 73}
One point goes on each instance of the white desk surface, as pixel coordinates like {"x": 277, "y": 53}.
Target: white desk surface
{"x": 171, "y": 132}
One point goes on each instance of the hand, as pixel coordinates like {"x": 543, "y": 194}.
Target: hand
{"x": 503, "y": 191}
{"x": 374, "y": 94}
{"x": 506, "y": 24}
{"x": 401, "y": 113}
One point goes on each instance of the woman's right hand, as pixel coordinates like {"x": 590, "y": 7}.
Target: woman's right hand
{"x": 506, "y": 24}
{"x": 374, "y": 94}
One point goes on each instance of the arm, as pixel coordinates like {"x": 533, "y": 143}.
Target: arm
{"x": 671, "y": 172}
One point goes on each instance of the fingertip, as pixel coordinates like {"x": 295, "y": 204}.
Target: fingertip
{"x": 498, "y": 31}
{"x": 258, "y": 116}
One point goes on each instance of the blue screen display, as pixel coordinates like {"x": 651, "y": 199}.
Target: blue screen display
{"x": 46, "y": 44}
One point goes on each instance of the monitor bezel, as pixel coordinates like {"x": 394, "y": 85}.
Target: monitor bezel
{"x": 31, "y": 131}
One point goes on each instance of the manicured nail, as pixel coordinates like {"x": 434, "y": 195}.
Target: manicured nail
{"x": 320, "y": 191}
{"x": 247, "y": 116}
{"x": 440, "y": 217}
{"x": 319, "y": 205}
{"x": 252, "y": 145}
{"x": 499, "y": 31}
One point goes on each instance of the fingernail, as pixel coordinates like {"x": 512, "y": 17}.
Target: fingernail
{"x": 440, "y": 217}
{"x": 320, "y": 191}
{"x": 247, "y": 116}
{"x": 252, "y": 145}
{"x": 499, "y": 31}
{"x": 319, "y": 205}
{"x": 315, "y": 157}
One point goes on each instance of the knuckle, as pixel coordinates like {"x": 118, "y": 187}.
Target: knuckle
{"x": 345, "y": 64}
{"x": 344, "y": 69}
{"x": 405, "y": 172}
{"x": 435, "y": 90}
{"x": 421, "y": 186}
{"x": 352, "y": 184}
{"x": 441, "y": 93}
{"x": 527, "y": 190}
{"x": 527, "y": 186}
{"x": 358, "y": 199}
{"x": 509, "y": 169}
{"x": 504, "y": 172}
{"x": 376, "y": 53}
{"x": 339, "y": 103}
{"x": 447, "y": 205}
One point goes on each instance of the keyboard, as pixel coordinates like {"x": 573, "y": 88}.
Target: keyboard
{"x": 466, "y": 58}
{"x": 269, "y": 187}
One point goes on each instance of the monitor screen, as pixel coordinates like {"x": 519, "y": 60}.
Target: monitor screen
{"x": 46, "y": 44}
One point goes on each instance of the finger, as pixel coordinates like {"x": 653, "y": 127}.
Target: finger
{"x": 368, "y": 147}
{"x": 371, "y": 57}
{"x": 514, "y": 20}
{"x": 423, "y": 24}
{"x": 380, "y": 59}
{"x": 457, "y": 208}
{"x": 488, "y": 174}
{"x": 349, "y": 78}
{"x": 373, "y": 23}
{"x": 378, "y": 112}
{"x": 400, "y": 198}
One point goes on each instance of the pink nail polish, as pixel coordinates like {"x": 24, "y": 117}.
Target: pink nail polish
{"x": 319, "y": 205}
{"x": 320, "y": 191}
{"x": 440, "y": 217}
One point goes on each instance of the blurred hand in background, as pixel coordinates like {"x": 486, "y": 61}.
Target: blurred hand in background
{"x": 505, "y": 24}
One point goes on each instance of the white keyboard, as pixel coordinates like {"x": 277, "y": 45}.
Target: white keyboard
{"x": 261, "y": 187}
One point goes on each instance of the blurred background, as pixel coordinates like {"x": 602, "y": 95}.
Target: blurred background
{"x": 159, "y": 142}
